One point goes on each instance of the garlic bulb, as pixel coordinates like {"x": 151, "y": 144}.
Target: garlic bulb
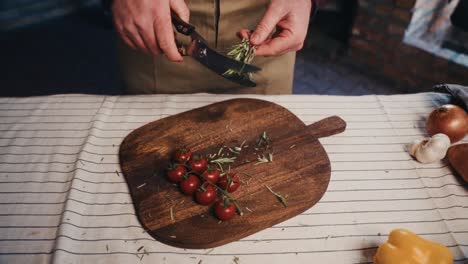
{"x": 431, "y": 149}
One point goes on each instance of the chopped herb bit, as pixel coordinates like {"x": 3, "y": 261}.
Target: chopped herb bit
{"x": 263, "y": 139}
{"x": 200, "y": 262}
{"x": 242, "y": 144}
{"x": 140, "y": 248}
{"x": 107, "y": 248}
{"x": 118, "y": 174}
{"x": 172, "y": 214}
{"x": 264, "y": 159}
{"x": 236, "y": 260}
{"x": 261, "y": 159}
{"x": 220, "y": 151}
{"x": 141, "y": 185}
{"x": 224, "y": 160}
{"x": 280, "y": 198}
{"x": 102, "y": 158}
{"x": 220, "y": 168}
{"x": 236, "y": 150}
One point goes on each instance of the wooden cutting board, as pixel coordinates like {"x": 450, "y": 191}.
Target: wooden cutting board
{"x": 300, "y": 170}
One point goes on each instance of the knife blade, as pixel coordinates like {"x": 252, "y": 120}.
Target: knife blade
{"x": 217, "y": 63}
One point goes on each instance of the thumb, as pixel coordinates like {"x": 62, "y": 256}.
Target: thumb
{"x": 267, "y": 24}
{"x": 181, "y": 9}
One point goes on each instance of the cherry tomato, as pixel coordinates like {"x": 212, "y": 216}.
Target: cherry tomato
{"x": 198, "y": 164}
{"x": 224, "y": 211}
{"x": 205, "y": 196}
{"x": 190, "y": 184}
{"x": 212, "y": 175}
{"x": 182, "y": 155}
{"x": 229, "y": 182}
{"x": 175, "y": 173}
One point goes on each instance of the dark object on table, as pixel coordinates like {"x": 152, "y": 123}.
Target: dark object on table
{"x": 459, "y": 94}
{"x": 458, "y": 157}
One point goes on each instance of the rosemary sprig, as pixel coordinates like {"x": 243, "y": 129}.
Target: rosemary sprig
{"x": 263, "y": 139}
{"x": 280, "y": 198}
{"x": 244, "y": 52}
{"x": 224, "y": 160}
{"x": 264, "y": 159}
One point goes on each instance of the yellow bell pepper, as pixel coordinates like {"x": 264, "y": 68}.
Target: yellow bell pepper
{"x": 405, "y": 247}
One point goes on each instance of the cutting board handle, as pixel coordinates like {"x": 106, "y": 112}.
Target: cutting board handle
{"x": 327, "y": 127}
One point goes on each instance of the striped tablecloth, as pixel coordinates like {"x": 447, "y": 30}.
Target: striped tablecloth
{"x": 64, "y": 200}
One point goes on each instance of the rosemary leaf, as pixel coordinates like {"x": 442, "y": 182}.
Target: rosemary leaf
{"x": 224, "y": 160}
{"x": 220, "y": 151}
{"x": 270, "y": 157}
{"x": 280, "y": 198}
{"x": 172, "y": 214}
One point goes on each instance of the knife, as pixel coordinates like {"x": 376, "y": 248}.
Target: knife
{"x": 213, "y": 60}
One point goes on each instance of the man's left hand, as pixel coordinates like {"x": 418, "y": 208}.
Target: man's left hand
{"x": 290, "y": 19}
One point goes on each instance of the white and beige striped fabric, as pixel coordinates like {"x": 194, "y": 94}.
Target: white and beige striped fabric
{"x": 63, "y": 199}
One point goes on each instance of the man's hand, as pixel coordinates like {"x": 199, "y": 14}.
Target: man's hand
{"x": 146, "y": 25}
{"x": 290, "y": 18}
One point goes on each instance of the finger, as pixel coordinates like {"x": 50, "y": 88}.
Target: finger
{"x": 129, "y": 42}
{"x": 275, "y": 47}
{"x": 181, "y": 9}
{"x": 267, "y": 24}
{"x": 146, "y": 33}
{"x": 244, "y": 33}
{"x": 132, "y": 33}
{"x": 165, "y": 34}
{"x": 124, "y": 37}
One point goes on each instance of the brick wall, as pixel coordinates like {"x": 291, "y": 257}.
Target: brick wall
{"x": 376, "y": 47}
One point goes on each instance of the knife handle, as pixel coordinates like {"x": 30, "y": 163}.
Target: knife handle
{"x": 181, "y": 26}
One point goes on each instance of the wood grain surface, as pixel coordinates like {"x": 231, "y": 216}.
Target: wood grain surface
{"x": 300, "y": 170}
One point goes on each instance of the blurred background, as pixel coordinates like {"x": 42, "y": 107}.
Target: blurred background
{"x": 354, "y": 47}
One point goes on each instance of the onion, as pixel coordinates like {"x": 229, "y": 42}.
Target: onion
{"x": 450, "y": 120}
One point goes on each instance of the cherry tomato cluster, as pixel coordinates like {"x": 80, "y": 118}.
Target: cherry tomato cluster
{"x": 195, "y": 177}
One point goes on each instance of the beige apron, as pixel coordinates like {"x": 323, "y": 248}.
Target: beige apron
{"x": 155, "y": 74}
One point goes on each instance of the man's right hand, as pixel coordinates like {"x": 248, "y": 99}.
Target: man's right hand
{"x": 146, "y": 25}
